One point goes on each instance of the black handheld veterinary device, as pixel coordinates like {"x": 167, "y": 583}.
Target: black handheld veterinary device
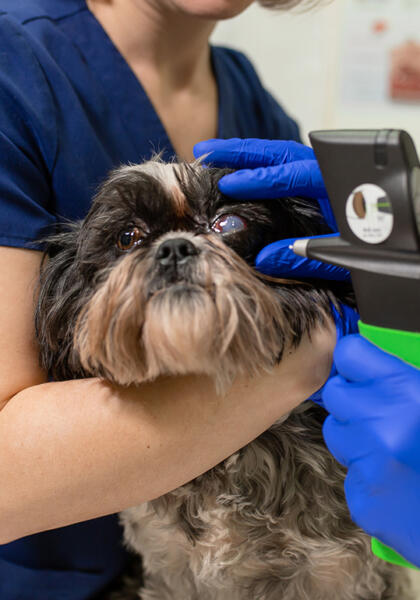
{"x": 373, "y": 182}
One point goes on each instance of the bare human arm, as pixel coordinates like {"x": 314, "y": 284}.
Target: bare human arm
{"x": 74, "y": 450}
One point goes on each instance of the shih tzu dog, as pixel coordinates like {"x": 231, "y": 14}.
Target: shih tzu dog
{"x": 158, "y": 280}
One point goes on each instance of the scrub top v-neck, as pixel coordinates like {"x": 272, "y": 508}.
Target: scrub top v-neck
{"x": 126, "y": 96}
{"x": 71, "y": 110}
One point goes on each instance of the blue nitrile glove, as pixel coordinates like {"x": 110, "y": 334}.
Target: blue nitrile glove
{"x": 374, "y": 430}
{"x": 268, "y": 169}
{"x": 346, "y": 322}
{"x": 279, "y": 260}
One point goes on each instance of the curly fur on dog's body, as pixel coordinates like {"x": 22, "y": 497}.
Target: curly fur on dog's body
{"x": 270, "y": 522}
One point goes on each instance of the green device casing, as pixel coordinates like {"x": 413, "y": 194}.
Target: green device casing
{"x": 379, "y": 238}
{"x": 405, "y": 345}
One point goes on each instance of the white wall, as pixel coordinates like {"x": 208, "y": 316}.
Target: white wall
{"x": 298, "y": 57}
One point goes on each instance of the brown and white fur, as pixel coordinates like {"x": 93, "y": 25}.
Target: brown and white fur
{"x": 158, "y": 280}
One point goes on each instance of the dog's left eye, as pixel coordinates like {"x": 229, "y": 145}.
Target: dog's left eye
{"x": 228, "y": 224}
{"x": 129, "y": 238}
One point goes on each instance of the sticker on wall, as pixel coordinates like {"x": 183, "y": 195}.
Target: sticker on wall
{"x": 369, "y": 213}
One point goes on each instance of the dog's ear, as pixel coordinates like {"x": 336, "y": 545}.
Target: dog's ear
{"x": 61, "y": 295}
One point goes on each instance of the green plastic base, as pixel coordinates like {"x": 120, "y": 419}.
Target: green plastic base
{"x": 405, "y": 345}
{"x": 389, "y": 555}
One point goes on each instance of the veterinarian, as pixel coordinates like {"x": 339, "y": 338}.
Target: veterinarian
{"x": 374, "y": 398}
{"x": 84, "y": 87}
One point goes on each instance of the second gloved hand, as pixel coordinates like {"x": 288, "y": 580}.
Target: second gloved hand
{"x": 374, "y": 430}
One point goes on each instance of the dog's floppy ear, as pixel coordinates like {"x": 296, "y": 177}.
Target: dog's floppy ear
{"x": 60, "y": 298}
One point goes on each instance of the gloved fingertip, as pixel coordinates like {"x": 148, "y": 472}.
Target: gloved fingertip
{"x": 203, "y": 147}
{"x": 236, "y": 185}
{"x": 267, "y": 266}
{"x": 227, "y": 184}
{"x": 276, "y": 258}
{"x": 197, "y": 149}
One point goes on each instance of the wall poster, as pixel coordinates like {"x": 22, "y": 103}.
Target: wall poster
{"x": 380, "y": 55}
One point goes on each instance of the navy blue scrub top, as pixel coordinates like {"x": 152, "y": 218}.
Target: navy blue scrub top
{"x": 71, "y": 109}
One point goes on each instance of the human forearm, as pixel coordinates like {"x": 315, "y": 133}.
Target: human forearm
{"x": 74, "y": 450}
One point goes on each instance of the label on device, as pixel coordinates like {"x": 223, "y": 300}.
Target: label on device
{"x": 369, "y": 213}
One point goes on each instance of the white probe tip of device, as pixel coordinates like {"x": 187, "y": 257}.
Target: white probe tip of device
{"x": 300, "y": 247}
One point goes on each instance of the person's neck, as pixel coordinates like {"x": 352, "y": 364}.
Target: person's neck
{"x": 157, "y": 39}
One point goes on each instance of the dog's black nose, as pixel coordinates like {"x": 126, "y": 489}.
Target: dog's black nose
{"x": 175, "y": 251}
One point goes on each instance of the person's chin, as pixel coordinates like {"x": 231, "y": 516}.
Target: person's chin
{"x": 214, "y": 10}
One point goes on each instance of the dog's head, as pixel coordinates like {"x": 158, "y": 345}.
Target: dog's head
{"x": 158, "y": 279}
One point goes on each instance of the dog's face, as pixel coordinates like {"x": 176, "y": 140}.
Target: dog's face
{"x": 158, "y": 280}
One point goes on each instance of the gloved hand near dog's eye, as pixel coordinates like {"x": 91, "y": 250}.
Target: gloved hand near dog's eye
{"x": 274, "y": 169}
{"x": 374, "y": 430}
{"x": 268, "y": 169}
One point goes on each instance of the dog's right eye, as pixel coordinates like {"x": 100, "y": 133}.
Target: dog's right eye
{"x": 128, "y": 238}
{"x": 228, "y": 223}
